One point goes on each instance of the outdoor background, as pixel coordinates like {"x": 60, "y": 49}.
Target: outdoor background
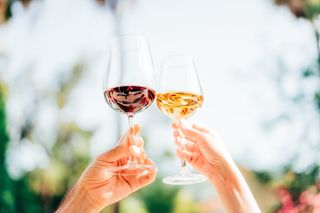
{"x": 258, "y": 63}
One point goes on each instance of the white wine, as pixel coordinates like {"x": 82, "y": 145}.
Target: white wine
{"x": 179, "y": 105}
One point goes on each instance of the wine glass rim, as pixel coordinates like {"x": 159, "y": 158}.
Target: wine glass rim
{"x": 182, "y": 56}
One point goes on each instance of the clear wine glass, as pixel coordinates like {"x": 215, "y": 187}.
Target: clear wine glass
{"x": 127, "y": 86}
{"x": 179, "y": 96}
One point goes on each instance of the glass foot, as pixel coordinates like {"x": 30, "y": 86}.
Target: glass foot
{"x": 133, "y": 169}
{"x": 184, "y": 178}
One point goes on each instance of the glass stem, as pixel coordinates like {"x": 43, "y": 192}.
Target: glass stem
{"x": 183, "y": 164}
{"x": 131, "y": 160}
{"x": 130, "y": 116}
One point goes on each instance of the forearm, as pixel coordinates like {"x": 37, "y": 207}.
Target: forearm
{"x": 77, "y": 200}
{"x": 233, "y": 190}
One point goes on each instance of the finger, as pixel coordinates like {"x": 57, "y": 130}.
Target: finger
{"x": 122, "y": 149}
{"x": 175, "y": 125}
{"x": 150, "y": 177}
{"x": 148, "y": 161}
{"x": 188, "y": 146}
{"x": 135, "y": 129}
{"x": 116, "y": 153}
{"x": 135, "y": 150}
{"x": 136, "y": 144}
{"x": 142, "y": 157}
{"x": 177, "y": 142}
{"x": 136, "y": 140}
{"x": 184, "y": 155}
{"x": 192, "y": 133}
{"x": 176, "y": 133}
{"x": 185, "y": 144}
{"x": 145, "y": 180}
{"x": 141, "y": 180}
{"x": 200, "y": 128}
{"x": 138, "y": 153}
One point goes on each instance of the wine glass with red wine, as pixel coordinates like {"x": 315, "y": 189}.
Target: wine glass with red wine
{"x": 128, "y": 87}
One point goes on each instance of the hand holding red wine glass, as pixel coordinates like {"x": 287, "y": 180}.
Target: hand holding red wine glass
{"x": 128, "y": 87}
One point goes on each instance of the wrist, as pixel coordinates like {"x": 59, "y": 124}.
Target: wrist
{"x": 233, "y": 189}
{"x": 78, "y": 200}
{"x": 225, "y": 171}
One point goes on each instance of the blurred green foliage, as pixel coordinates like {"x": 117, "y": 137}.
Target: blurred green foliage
{"x": 6, "y": 184}
{"x": 294, "y": 182}
{"x": 184, "y": 202}
{"x": 302, "y": 181}
{"x": 263, "y": 177}
{"x": 15, "y": 195}
{"x": 7, "y": 201}
{"x": 41, "y": 190}
{"x": 8, "y": 10}
{"x": 311, "y": 10}
{"x": 159, "y": 197}
{"x": 317, "y": 99}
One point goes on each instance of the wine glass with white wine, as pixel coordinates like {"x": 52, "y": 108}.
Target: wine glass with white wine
{"x": 179, "y": 96}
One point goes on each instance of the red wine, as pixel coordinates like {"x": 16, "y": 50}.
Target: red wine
{"x": 129, "y": 99}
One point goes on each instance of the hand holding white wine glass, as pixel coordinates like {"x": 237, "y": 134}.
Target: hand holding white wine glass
{"x": 179, "y": 96}
{"x": 127, "y": 87}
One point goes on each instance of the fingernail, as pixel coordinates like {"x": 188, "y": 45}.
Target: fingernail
{"x": 136, "y": 129}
